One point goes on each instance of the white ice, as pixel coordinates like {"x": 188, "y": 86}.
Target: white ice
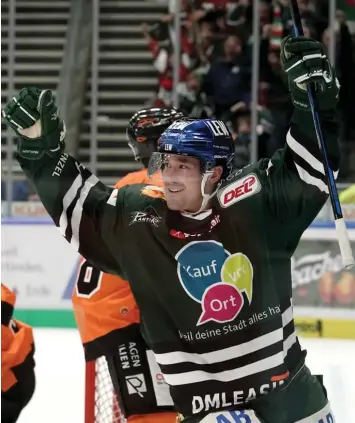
{"x": 59, "y": 396}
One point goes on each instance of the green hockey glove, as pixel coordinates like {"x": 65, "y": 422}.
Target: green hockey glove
{"x": 34, "y": 116}
{"x": 304, "y": 60}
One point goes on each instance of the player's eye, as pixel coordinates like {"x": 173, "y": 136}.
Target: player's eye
{"x": 183, "y": 166}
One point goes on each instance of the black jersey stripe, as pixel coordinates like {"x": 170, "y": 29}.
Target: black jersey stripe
{"x": 68, "y": 199}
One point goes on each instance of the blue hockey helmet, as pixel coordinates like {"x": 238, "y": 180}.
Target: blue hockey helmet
{"x": 208, "y": 140}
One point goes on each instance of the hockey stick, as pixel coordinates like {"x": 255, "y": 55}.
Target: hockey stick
{"x": 342, "y": 234}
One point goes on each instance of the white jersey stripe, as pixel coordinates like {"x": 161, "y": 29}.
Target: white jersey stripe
{"x": 287, "y": 316}
{"x": 301, "y": 151}
{"x": 311, "y": 180}
{"x": 230, "y": 352}
{"x": 304, "y": 153}
{"x": 221, "y": 355}
{"x": 226, "y": 376}
{"x": 238, "y": 373}
{"x": 78, "y": 210}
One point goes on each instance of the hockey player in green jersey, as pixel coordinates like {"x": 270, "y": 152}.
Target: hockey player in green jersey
{"x": 213, "y": 247}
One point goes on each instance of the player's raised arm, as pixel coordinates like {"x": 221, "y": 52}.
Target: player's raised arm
{"x": 296, "y": 176}
{"x": 80, "y": 205}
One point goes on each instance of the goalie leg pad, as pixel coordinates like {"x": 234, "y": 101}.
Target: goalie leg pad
{"x": 137, "y": 379}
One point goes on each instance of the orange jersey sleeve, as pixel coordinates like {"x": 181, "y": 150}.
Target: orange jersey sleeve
{"x": 139, "y": 177}
{"x": 104, "y": 303}
{"x": 17, "y": 343}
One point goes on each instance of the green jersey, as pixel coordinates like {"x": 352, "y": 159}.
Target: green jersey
{"x": 214, "y": 290}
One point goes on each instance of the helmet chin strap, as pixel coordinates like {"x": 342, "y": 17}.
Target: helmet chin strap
{"x": 205, "y": 197}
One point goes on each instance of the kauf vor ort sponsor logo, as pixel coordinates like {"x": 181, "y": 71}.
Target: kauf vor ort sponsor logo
{"x": 216, "y": 279}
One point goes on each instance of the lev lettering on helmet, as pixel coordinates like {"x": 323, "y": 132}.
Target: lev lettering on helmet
{"x": 179, "y": 125}
{"x": 218, "y": 128}
{"x": 239, "y": 190}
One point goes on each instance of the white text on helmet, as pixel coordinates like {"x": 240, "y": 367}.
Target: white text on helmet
{"x": 217, "y": 127}
{"x": 179, "y": 125}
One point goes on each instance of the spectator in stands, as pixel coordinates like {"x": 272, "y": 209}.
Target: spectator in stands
{"x": 192, "y": 101}
{"x": 208, "y": 46}
{"x": 276, "y": 99}
{"x": 240, "y": 126}
{"x": 308, "y": 14}
{"x": 345, "y": 69}
{"x": 236, "y": 15}
{"x": 216, "y": 56}
{"x": 228, "y": 80}
{"x": 163, "y": 62}
{"x": 265, "y": 16}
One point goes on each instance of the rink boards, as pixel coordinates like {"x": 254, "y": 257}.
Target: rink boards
{"x": 39, "y": 265}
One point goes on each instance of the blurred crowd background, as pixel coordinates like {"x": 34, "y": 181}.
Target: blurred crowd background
{"x": 216, "y": 66}
{"x": 215, "y": 63}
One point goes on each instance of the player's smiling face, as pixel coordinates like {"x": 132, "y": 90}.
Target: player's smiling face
{"x": 182, "y": 182}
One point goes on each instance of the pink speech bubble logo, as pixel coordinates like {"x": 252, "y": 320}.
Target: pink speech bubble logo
{"x": 221, "y": 302}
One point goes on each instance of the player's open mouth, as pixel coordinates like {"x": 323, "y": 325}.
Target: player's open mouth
{"x": 175, "y": 190}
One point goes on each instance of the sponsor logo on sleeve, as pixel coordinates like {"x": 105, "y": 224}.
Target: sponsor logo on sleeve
{"x": 149, "y": 215}
{"x": 136, "y": 384}
{"x": 239, "y": 190}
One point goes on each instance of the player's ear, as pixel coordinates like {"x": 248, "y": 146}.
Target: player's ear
{"x": 216, "y": 174}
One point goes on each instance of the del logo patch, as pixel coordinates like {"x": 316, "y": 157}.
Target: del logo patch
{"x": 239, "y": 190}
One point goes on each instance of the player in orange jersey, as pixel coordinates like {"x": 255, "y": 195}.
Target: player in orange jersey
{"x": 17, "y": 363}
{"x": 106, "y": 312}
